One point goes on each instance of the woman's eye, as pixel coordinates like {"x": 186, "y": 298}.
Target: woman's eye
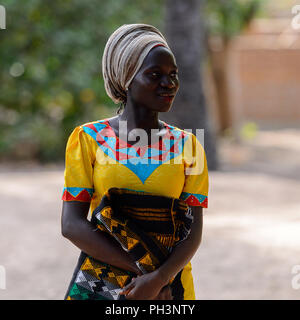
{"x": 154, "y": 74}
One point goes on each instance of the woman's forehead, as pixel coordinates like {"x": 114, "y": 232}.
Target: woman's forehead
{"x": 159, "y": 56}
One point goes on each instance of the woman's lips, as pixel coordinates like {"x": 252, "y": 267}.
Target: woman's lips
{"x": 167, "y": 97}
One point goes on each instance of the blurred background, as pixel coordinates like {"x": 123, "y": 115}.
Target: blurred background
{"x": 239, "y": 69}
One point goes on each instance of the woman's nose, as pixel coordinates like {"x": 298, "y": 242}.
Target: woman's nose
{"x": 168, "y": 82}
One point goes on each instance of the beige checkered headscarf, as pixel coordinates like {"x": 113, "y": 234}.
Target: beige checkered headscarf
{"x": 124, "y": 54}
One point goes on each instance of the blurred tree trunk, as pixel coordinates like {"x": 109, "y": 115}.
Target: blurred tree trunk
{"x": 219, "y": 63}
{"x": 234, "y": 16}
{"x": 185, "y": 34}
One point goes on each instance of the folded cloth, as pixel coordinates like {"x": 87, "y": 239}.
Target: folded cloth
{"x": 147, "y": 226}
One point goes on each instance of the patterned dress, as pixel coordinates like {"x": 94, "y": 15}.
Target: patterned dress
{"x": 175, "y": 166}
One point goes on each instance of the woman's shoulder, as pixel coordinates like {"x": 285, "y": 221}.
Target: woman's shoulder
{"x": 91, "y": 128}
{"x": 178, "y": 131}
{"x": 95, "y": 124}
{"x": 88, "y": 130}
{"x": 189, "y": 139}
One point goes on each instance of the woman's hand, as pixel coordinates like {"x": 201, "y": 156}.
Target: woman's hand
{"x": 146, "y": 287}
{"x": 165, "y": 294}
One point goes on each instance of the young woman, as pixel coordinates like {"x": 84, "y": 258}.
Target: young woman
{"x": 140, "y": 72}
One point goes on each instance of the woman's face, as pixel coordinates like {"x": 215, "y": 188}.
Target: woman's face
{"x": 155, "y": 85}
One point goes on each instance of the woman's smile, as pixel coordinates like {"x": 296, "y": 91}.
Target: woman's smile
{"x": 166, "y": 97}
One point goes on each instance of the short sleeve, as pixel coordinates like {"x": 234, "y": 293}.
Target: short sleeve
{"x": 195, "y": 189}
{"x": 79, "y": 164}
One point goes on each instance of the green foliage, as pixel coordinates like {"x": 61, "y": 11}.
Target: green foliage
{"x": 227, "y": 18}
{"x": 249, "y": 131}
{"x": 50, "y": 69}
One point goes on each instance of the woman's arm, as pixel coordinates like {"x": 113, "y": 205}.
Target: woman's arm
{"x": 99, "y": 245}
{"x": 185, "y": 250}
{"x": 148, "y": 285}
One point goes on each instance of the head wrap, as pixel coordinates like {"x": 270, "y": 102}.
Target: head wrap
{"x": 124, "y": 54}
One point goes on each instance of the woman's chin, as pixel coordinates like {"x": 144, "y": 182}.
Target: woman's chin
{"x": 166, "y": 108}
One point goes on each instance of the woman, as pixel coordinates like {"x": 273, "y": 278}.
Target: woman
{"x": 140, "y": 72}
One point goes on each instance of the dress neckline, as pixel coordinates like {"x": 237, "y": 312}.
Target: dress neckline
{"x": 128, "y": 144}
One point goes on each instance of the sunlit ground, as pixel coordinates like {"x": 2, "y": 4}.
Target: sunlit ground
{"x": 251, "y": 235}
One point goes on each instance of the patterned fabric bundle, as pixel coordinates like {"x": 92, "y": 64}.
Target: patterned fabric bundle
{"x": 124, "y": 54}
{"x": 147, "y": 226}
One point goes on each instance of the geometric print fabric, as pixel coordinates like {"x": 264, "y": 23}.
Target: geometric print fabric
{"x": 98, "y": 281}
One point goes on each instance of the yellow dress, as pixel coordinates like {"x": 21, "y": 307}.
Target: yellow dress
{"x": 175, "y": 166}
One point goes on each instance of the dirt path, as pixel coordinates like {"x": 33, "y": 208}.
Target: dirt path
{"x": 251, "y": 238}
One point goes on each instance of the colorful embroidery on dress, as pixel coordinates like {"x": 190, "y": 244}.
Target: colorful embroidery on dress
{"x": 140, "y": 160}
{"x": 77, "y": 194}
{"x": 193, "y": 199}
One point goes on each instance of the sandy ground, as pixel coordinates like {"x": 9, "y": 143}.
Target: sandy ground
{"x": 251, "y": 238}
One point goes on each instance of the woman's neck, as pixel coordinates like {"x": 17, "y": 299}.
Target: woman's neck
{"x": 140, "y": 118}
